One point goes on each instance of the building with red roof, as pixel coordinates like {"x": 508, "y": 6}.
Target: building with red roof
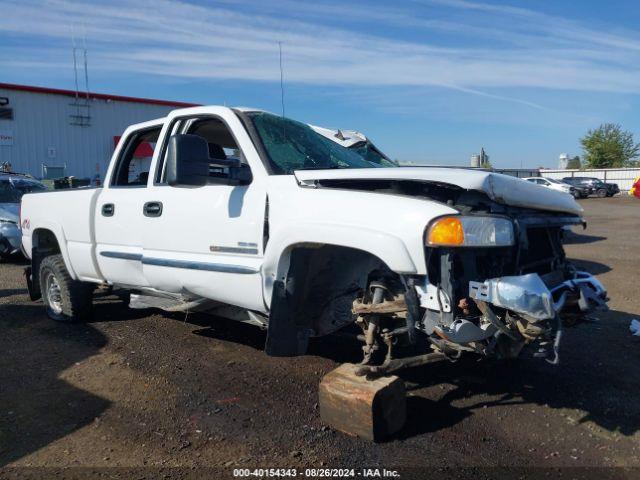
{"x": 49, "y": 132}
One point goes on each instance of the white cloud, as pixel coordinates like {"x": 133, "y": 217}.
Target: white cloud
{"x": 496, "y": 47}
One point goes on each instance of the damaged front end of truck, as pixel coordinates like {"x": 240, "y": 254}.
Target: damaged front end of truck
{"x": 498, "y": 284}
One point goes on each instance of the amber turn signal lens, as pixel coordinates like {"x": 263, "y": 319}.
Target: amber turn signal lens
{"x": 447, "y": 231}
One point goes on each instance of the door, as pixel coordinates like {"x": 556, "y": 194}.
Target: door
{"x": 119, "y": 208}
{"x": 207, "y": 241}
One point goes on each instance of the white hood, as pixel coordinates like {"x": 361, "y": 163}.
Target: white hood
{"x": 499, "y": 188}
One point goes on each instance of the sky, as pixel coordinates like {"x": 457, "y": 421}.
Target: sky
{"x": 429, "y": 81}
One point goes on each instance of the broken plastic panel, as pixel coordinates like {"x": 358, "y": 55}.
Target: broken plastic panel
{"x": 593, "y": 295}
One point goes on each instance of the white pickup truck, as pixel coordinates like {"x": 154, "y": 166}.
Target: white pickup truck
{"x": 256, "y": 217}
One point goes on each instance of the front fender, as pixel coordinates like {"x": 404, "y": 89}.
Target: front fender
{"x": 387, "y": 247}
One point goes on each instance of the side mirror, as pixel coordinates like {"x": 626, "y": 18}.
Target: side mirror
{"x": 188, "y": 164}
{"x": 187, "y": 161}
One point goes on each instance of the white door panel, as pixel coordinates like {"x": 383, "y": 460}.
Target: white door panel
{"x": 227, "y": 287}
{"x": 195, "y": 219}
{"x": 119, "y": 236}
{"x": 207, "y": 242}
{"x": 119, "y": 208}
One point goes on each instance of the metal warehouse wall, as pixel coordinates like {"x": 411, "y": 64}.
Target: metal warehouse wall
{"x": 622, "y": 176}
{"x": 40, "y": 131}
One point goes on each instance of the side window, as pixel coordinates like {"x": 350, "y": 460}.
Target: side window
{"x": 132, "y": 169}
{"x": 222, "y": 144}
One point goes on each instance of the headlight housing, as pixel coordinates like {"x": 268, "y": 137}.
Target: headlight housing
{"x": 470, "y": 231}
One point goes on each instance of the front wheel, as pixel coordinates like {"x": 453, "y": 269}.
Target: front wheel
{"x": 65, "y": 299}
{"x": 602, "y": 193}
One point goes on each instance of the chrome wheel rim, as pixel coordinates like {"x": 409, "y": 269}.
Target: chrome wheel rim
{"x": 52, "y": 291}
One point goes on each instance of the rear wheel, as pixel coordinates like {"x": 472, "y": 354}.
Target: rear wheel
{"x": 65, "y": 299}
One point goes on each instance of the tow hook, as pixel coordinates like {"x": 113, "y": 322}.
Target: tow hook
{"x": 556, "y": 345}
{"x": 542, "y": 353}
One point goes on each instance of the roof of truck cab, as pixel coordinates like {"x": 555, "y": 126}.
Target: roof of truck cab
{"x": 156, "y": 121}
{"x": 148, "y": 123}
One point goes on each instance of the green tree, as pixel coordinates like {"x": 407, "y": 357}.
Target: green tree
{"x": 608, "y": 146}
{"x": 574, "y": 163}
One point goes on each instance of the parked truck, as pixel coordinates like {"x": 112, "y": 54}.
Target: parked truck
{"x": 256, "y": 217}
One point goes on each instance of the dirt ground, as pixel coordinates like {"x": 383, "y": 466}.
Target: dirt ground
{"x": 143, "y": 389}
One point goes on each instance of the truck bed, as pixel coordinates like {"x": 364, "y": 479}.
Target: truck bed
{"x": 70, "y": 214}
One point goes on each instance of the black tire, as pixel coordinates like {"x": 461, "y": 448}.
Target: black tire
{"x": 65, "y": 299}
{"x": 601, "y": 193}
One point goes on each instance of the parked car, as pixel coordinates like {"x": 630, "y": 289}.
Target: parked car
{"x": 12, "y": 187}
{"x": 576, "y": 192}
{"x": 292, "y": 232}
{"x": 597, "y": 187}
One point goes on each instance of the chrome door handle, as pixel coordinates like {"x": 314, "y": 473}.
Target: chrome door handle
{"x": 108, "y": 209}
{"x": 152, "y": 209}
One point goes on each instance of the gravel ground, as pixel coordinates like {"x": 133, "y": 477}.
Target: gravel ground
{"x": 141, "y": 389}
